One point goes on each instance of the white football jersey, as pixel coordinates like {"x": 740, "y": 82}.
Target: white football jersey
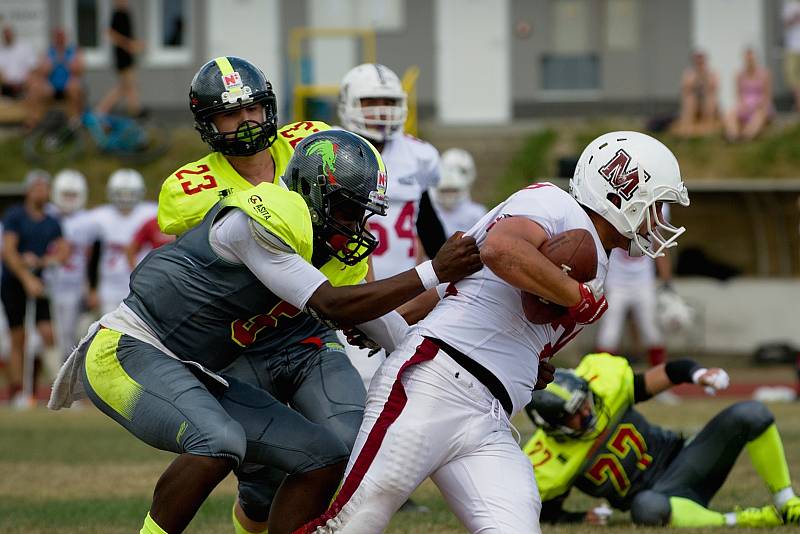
{"x": 412, "y": 166}
{"x": 482, "y": 316}
{"x": 78, "y": 230}
{"x": 461, "y": 217}
{"x": 115, "y": 230}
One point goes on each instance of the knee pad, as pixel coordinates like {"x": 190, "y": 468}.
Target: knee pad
{"x": 324, "y": 444}
{"x": 752, "y": 417}
{"x": 650, "y": 508}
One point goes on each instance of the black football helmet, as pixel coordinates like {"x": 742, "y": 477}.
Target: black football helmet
{"x": 551, "y": 407}
{"x": 342, "y": 179}
{"x": 226, "y": 83}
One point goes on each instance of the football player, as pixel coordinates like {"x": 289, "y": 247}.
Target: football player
{"x": 441, "y": 404}
{"x": 451, "y": 197}
{"x": 236, "y": 114}
{"x": 156, "y": 363}
{"x": 114, "y": 225}
{"x": 68, "y": 282}
{"x": 591, "y": 437}
{"x": 373, "y": 104}
{"x": 295, "y": 357}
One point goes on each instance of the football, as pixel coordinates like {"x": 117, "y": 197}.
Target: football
{"x": 575, "y": 253}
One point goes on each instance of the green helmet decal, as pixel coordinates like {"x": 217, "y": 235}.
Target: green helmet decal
{"x": 327, "y": 150}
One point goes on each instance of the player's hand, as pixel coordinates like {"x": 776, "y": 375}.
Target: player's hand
{"x": 598, "y": 515}
{"x": 458, "y": 257}
{"x": 33, "y": 286}
{"x": 592, "y": 305}
{"x": 547, "y": 373}
{"x": 714, "y": 379}
{"x": 359, "y": 339}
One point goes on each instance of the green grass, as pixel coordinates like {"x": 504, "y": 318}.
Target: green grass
{"x": 77, "y": 471}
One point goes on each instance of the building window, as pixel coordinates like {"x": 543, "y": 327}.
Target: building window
{"x": 571, "y": 63}
{"x": 86, "y": 22}
{"x": 169, "y": 38}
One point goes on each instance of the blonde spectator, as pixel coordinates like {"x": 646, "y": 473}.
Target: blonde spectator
{"x": 699, "y": 113}
{"x": 753, "y": 108}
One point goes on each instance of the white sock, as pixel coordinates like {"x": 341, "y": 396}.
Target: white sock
{"x": 781, "y": 497}
{"x": 730, "y": 519}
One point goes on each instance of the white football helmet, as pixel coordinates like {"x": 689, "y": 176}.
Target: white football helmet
{"x": 622, "y": 176}
{"x": 377, "y": 123}
{"x": 457, "y": 174}
{"x": 69, "y": 191}
{"x": 125, "y": 188}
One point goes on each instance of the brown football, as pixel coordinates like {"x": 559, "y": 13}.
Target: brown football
{"x": 573, "y": 251}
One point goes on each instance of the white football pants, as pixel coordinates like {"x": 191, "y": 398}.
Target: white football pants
{"x": 641, "y": 300}
{"x": 427, "y": 416}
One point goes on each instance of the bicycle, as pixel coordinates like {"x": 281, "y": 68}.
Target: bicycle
{"x": 55, "y": 141}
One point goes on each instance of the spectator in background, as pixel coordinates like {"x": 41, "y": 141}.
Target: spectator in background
{"x": 791, "y": 42}
{"x": 17, "y": 60}
{"x": 753, "y": 109}
{"x": 699, "y": 113}
{"x": 148, "y": 237}
{"x": 121, "y": 35}
{"x": 31, "y": 242}
{"x": 451, "y": 197}
{"x": 58, "y": 77}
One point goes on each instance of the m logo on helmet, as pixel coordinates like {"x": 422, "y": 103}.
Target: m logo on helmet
{"x": 327, "y": 150}
{"x": 624, "y": 180}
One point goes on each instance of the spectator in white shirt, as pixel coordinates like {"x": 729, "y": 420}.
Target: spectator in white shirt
{"x": 17, "y": 60}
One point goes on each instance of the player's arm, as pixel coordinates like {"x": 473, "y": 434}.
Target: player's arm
{"x": 684, "y": 371}
{"x": 15, "y": 263}
{"x": 553, "y": 512}
{"x": 297, "y": 282}
{"x": 350, "y": 305}
{"x": 430, "y": 230}
{"x": 511, "y": 251}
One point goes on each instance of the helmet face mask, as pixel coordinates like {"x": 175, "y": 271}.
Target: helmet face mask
{"x": 623, "y": 177}
{"x": 372, "y": 102}
{"x": 343, "y": 181}
{"x": 227, "y": 84}
{"x": 69, "y": 191}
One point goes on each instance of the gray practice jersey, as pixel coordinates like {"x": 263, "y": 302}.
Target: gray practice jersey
{"x": 201, "y": 306}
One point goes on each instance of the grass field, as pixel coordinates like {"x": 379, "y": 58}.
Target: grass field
{"x": 77, "y": 471}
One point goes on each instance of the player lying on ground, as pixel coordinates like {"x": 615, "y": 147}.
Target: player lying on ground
{"x": 154, "y": 364}
{"x": 440, "y": 405}
{"x": 590, "y": 437}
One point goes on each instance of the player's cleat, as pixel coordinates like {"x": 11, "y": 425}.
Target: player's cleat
{"x": 791, "y": 511}
{"x": 766, "y": 516}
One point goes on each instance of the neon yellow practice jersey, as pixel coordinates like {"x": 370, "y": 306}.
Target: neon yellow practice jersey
{"x": 621, "y": 456}
{"x": 188, "y": 193}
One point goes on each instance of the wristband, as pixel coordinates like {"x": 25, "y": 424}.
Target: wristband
{"x": 681, "y": 371}
{"x": 427, "y": 275}
{"x": 697, "y": 374}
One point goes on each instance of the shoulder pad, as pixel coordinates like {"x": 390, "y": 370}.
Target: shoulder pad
{"x": 188, "y": 193}
{"x": 283, "y": 213}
